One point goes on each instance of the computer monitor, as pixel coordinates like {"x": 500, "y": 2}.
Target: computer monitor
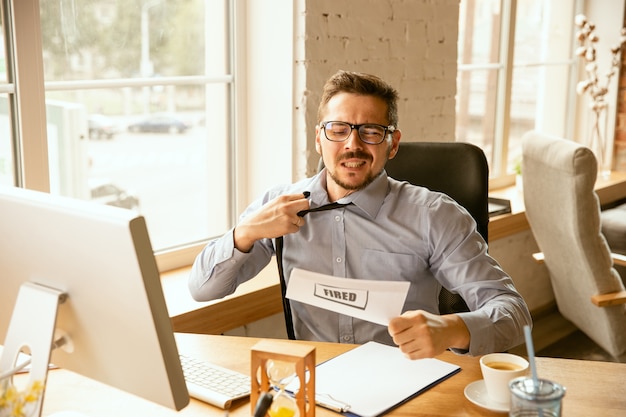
{"x": 100, "y": 259}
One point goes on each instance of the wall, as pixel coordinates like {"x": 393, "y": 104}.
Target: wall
{"x": 410, "y": 44}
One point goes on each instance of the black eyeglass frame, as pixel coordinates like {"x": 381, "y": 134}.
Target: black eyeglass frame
{"x": 390, "y": 129}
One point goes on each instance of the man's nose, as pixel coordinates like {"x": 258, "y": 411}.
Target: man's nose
{"x": 354, "y": 140}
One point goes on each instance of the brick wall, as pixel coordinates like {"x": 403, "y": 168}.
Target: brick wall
{"x": 410, "y": 43}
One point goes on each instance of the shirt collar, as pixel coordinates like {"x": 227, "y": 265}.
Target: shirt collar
{"x": 369, "y": 199}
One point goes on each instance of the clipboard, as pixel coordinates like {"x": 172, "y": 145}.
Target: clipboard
{"x": 372, "y": 379}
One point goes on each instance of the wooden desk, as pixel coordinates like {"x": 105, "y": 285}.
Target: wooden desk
{"x": 593, "y": 388}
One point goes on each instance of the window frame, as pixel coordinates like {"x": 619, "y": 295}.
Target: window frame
{"x": 26, "y": 89}
{"x": 500, "y": 176}
{"x": 21, "y": 25}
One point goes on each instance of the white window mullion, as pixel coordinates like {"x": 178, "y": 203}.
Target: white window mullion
{"x": 505, "y": 81}
{"x": 30, "y": 109}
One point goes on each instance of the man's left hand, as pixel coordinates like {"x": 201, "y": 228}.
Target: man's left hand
{"x": 420, "y": 334}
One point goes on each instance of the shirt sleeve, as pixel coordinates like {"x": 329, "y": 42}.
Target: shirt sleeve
{"x": 498, "y": 325}
{"x": 460, "y": 261}
{"x": 220, "y": 267}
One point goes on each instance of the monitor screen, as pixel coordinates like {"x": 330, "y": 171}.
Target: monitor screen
{"x": 114, "y": 313}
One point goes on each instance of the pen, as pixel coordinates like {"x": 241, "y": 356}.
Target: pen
{"x": 263, "y": 404}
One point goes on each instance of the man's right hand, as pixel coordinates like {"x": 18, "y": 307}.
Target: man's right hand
{"x": 276, "y": 218}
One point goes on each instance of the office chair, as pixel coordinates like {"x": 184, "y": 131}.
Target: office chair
{"x": 563, "y": 211}
{"x": 457, "y": 169}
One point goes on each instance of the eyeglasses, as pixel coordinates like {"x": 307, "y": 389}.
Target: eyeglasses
{"x": 369, "y": 133}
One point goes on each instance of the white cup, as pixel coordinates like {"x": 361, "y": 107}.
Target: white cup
{"x": 498, "y": 369}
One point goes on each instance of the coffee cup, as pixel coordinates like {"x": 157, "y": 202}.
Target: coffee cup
{"x": 498, "y": 369}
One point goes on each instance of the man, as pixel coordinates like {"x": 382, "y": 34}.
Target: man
{"x": 391, "y": 230}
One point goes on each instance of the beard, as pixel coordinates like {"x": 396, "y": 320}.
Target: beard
{"x": 366, "y": 181}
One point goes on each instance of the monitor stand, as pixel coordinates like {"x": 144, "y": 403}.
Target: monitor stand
{"x": 32, "y": 327}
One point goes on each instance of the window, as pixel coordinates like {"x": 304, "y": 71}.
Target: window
{"x": 137, "y": 103}
{"x": 516, "y": 73}
{"x": 6, "y": 145}
{"x": 6, "y": 150}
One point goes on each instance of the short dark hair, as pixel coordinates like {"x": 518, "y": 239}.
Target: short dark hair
{"x": 360, "y": 83}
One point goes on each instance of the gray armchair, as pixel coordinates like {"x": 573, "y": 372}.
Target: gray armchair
{"x": 563, "y": 211}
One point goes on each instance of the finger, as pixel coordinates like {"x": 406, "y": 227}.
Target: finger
{"x": 408, "y": 345}
{"x": 398, "y": 325}
{"x": 415, "y": 345}
{"x": 295, "y": 203}
{"x": 294, "y": 197}
{"x": 417, "y": 352}
{"x": 300, "y": 221}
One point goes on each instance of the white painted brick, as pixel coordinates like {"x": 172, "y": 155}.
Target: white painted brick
{"x": 410, "y": 43}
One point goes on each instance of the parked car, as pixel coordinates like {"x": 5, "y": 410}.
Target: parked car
{"x": 102, "y": 127}
{"x": 160, "y": 123}
{"x": 105, "y": 192}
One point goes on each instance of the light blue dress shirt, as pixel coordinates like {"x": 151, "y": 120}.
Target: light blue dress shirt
{"x": 393, "y": 231}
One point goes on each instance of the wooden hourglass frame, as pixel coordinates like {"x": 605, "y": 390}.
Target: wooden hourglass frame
{"x": 303, "y": 358}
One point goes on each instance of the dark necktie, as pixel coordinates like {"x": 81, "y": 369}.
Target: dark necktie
{"x": 279, "y": 261}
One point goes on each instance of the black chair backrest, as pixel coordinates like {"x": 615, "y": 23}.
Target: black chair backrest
{"x": 457, "y": 169}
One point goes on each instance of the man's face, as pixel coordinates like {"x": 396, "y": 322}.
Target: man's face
{"x": 353, "y": 164}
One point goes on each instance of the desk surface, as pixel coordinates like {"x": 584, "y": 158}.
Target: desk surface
{"x": 593, "y": 388}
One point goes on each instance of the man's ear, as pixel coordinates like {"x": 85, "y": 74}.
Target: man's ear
{"x": 318, "y": 145}
{"x": 395, "y": 143}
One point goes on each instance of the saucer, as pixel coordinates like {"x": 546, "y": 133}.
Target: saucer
{"x": 476, "y": 392}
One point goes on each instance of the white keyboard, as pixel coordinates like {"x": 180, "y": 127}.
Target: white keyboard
{"x": 213, "y": 384}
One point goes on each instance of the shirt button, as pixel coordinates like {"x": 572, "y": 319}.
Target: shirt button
{"x": 338, "y": 260}
{"x": 337, "y": 218}
{"x": 346, "y": 338}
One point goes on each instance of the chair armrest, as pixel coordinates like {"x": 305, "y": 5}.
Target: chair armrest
{"x": 601, "y": 300}
{"x": 617, "y": 258}
{"x": 610, "y": 299}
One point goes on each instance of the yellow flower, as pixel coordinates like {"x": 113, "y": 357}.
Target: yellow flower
{"x": 9, "y": 396}
{"x": 17, "y": 403}
{"x": 33, "y": 392}
{"x": 18, "y": 410}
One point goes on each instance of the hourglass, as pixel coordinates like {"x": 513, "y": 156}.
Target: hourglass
{"x": 274, "y": 364}
{"x": 280, "y": 374}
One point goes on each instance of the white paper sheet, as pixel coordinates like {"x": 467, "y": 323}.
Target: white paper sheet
{"x": 375, "y": 301}
{"x": 374, "y": 378}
